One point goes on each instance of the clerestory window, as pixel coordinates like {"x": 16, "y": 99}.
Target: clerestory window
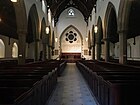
{"x": 71, "y": 12}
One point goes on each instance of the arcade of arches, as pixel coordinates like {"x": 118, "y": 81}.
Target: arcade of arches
{"x": 24, "y": 24}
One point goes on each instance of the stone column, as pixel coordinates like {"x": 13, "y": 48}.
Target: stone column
{"x": 107, "y": 53}
{"x": 21, "y": 46}
{"x": 21, "y": 21}
{"x": 44, "y": 51}
{"x": 49, "y": 52}
{"x": 123, "y": 47}
{"x": 44, "y": 42}
{"x": 98, "y": 51}
{"x": 93, "y": 52}
{"x": 36, "y": 49}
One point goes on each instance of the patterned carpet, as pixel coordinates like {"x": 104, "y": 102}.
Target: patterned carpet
{"x": 71, "y": 89}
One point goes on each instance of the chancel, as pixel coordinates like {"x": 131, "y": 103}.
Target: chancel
{"x": 69, "y": 52}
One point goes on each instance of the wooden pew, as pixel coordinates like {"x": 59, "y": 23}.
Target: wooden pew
{"x": 11, "y": 89}
{"x": 45, "y": 74}
{"x": 112, "y": 84}
{"x": 133, "y": 62}
{"x": 123, "y": 78}
{"x": 119, "y": 92}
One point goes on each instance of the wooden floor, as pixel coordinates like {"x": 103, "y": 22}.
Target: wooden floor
{"x": 71, "y": 89}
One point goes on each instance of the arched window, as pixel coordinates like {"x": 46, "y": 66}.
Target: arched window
{"x": 2, "y": 49}
{"x": 15, "y": 51}
{"x": 49, "y": 16}
{"x": 71, "y": 12}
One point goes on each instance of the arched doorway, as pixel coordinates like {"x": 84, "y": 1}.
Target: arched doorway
{"x": 33, "y": 34}
{"x": 99, "y": 42}
{"x": 71, "y": 44}
{"x": 111, "y": 37}
{"x": 14, "y": 50}
{"x": 2, "y": 49}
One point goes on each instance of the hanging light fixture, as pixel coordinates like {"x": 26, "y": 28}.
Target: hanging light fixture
{"x": 14, "y": 0}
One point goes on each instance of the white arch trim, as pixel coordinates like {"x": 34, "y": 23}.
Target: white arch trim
{"x": 2, "y": 49}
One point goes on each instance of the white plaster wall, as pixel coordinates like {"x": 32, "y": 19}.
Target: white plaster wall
{"x": 77, "y": 21}
{"x": 75, "y": 46}
{"x": 8, "y": 46}
{"x": 41, "y": 14}
{"x": 28, "y": 4}
{"x": 135, "y": 49}
{"x": 102, "y": 6}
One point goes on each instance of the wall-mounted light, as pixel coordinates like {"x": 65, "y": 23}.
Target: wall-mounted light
{"x": 86, "y": 38}
{"x": 95, "y": 29}
{"x": 47, "y": 30}
{"x": 56, "y": 39}
{"x": 14, "y": 0}
{"x": 0, "y": 20}
{"x": 20, "y": 55}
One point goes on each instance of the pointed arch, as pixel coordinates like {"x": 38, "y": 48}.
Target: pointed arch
{"x": 33, "y": 25}
{"x": 99, "y": 37}
{"x": 123, "y": 15}
{"x": 43, "y": 27}
{"x": 33, "y": 31}
{"x": 110, "y": 31}
{"x": 71, "y": 26}
{"x": 110, "y": 24}
{"x": 71, "y": 40}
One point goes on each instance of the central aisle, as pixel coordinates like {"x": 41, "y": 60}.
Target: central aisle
{"x": 71, "y": 89}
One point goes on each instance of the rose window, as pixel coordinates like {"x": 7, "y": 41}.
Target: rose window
{"x": 71, "y": 37}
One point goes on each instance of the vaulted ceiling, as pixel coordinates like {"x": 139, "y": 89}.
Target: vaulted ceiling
{"x": 58, "y": 6}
